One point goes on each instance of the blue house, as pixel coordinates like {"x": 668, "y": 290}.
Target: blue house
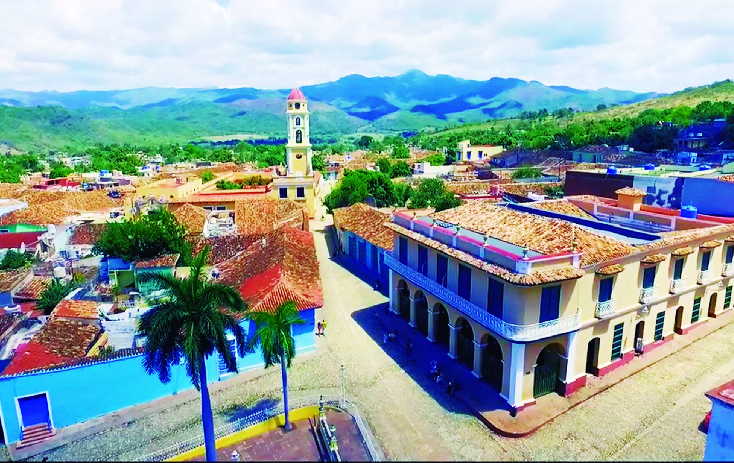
{"x": 363, "y": 240}
{"x": 720, "y": 440}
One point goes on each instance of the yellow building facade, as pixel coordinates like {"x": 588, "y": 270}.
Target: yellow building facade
{"x": 533, "y": 317}
{"x": 299, "y": 183}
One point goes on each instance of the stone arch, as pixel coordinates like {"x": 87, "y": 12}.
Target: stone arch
{"x": 421, "y": 312}
{"x": 678, "y": 327}
{"x": 548, "y": 369}
{"x": 403, "y": 299}
{"x": 464, "y": 342}
{"x": 442, "y": 333}
{"x": 492, "y": 359}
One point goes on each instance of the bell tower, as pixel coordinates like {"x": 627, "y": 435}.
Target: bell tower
{"x": 298, "y": 149}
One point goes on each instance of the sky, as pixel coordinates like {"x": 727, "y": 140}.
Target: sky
{"x": 642, "y": 45}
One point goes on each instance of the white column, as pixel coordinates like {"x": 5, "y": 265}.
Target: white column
{"x": 453, "y": 341}
{"x": 393, "y": 294}
{"x": 571, "y": 356}
{"x": 412, "y": 312}
{"x": 478, "y": 358}
{"x": 432, "y": 314}
{"x": 517, "y": 367}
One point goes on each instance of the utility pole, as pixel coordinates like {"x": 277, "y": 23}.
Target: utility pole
{"x": 343, "y": 380}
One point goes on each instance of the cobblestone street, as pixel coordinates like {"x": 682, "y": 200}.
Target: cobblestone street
{"x": 651, "y": 415}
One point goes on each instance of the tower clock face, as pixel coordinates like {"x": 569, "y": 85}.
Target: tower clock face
{"x": 299, "y": 156}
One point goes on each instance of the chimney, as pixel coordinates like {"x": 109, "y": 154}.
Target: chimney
{"x": 630, "y": 198}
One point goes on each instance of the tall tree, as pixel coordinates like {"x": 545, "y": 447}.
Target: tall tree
{"x": 275, "y": 338}
{"x": 190, "y": 325}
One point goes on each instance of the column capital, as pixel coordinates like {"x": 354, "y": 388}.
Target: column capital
{"x": 454, "y": 327}
{"x": 480, "y": 345}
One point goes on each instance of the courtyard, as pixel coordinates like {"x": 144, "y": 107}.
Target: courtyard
{"x": 651, "y": 415}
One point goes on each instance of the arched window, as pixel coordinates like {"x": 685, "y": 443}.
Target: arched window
{"x": 299, "y": 136}
{"x": 298, "y": 121}
{"x": 298, "y": 105}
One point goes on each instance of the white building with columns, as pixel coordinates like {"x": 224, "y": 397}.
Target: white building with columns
{"x": 536, "y": 298}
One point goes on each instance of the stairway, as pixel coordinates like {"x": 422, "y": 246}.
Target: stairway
{"x": 35, "y": 434}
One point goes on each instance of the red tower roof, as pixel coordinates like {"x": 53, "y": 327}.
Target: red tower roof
{"x": 296, "y": 94}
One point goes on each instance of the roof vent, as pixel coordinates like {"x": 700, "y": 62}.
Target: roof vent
{"x": 689, "y": 212}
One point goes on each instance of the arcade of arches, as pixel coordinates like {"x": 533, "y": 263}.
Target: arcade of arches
{"x": 502, "y": 364}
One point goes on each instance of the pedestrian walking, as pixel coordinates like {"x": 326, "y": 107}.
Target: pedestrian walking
{"x": 323, "y": 327}
{"x": 318, "y": 328}
{"x": 409, "y": 348}
{"x": 450, "y": 387}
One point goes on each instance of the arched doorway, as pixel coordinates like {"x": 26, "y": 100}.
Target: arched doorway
{"x": 592, "y": 356}
{"x": 403, "y": 300}
{"x": 639, "y": 336}
{"x": 712, "y": 305}
{"x": 492, "y": 362}
{"x": 421, "y": 312}
{"x": 441, "y": 325}
{"x": 679, "y": 320}
{"x": 547, "y": 370}
{"x": 465, "y": 343}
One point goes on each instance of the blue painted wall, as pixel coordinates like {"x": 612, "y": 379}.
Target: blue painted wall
{"x": 712, "y": 197}
{"x": 720, "y": 438}
{"x": 6, "y": 299}
{"x": 78, "y": 394}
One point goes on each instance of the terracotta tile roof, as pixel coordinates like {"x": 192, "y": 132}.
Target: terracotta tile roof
{"x": 534, "y": 278}
{"x": 682, "y": 251}
{"x": 367, "y": 222}
{"x": 468, "y": 188}
{"x": 653, "y": 258}
{"x": 10, "y": 279}
{"x": 53, "y": 207}
{"x": 541, "y": 234}
{"x": 72, "y": 308}
{"x": 222, "y": 247}
{"x": 561, "y": 206}
{"x": 34, "y": 288}
{"x": 687, "y": 236}
{"x": 167, "y": 260}
{"x": 711, "y": 244}
{"x": 58, "y": 342}
{"x": 278, "y": 267}
{"x": 726, "y": 178}
{"x": 629, "y": 191}
{"x": 262, "y": 215}
{"x": 86, "y": 234}
{"x": 610, "y": 269}
{"x": 191, "y": 217}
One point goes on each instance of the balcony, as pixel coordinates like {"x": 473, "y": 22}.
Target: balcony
{"x": 676, "y": 286}
{"x": 728, "y": 269}
{"x": 604, "y": 309}
{"x": 704, "y": 276}
{"x": 646, "y": 295}
{"x": 509, "y": 331}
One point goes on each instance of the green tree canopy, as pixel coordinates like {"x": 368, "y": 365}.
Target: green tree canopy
{"x": 54, "y": 293}
{"x": 144, "y": 237}
{"x": 400, "y": 169}
{"x": 357, "y": 186}
{"x": 431, "y": 192}
{"x": 15, "y": 259}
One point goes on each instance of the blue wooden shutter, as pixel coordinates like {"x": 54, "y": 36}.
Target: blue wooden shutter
{"x": 464, "y": 281}
{"x": 403, "y": 250}
{"x": 441, "y": 269}
{"x": 648, "y": 278}
{"x": 605, "y": 289}
{"x": 729, "y": 254}
{"x": 705, "y": 260}
{"x": 550, "y": 300}
{"x": 678, "y": 270}
{"x": 423, "y": 260}
{"x": 494, "y": 297}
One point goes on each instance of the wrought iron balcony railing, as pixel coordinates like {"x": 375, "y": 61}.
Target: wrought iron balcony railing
{"x": 604, "y": 309}
{"x": 507, "y": 330}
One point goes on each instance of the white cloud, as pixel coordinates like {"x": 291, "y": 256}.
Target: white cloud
{"x": 631, "y": 44}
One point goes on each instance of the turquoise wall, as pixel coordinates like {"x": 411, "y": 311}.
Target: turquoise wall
{"x": 80, "y": 393}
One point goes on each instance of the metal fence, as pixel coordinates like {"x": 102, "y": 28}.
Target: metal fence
{"x": 263, "y": 415}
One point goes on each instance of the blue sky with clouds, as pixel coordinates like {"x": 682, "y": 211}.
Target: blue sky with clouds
{"x": 644, "y": 45}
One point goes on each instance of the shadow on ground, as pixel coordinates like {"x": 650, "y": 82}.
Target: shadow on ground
{"x": 472, "y": 393}
{"x": 242, "y": 412}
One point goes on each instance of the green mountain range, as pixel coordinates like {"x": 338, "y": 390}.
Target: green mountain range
{"x": 352, "y": 104}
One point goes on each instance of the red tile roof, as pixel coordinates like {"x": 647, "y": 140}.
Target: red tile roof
{"x": 34, "y": 288}
{"x": 71, "y": 308}
{"x": 10, "y": 279}
{"x": 278, "y": 267}
{"x": 87, "y": 234}
{"x": 296, "y": 94}
{"x": 58, "y": 342}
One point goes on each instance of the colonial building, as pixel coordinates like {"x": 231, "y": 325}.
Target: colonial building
{"x": 467, "y": 152}
{"x": 299, "y": 181}
{"x": 537, "y": 297}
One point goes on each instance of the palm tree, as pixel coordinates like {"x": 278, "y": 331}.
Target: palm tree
{"x": 189, "y": 325}
{"x": 274, "y": 336}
